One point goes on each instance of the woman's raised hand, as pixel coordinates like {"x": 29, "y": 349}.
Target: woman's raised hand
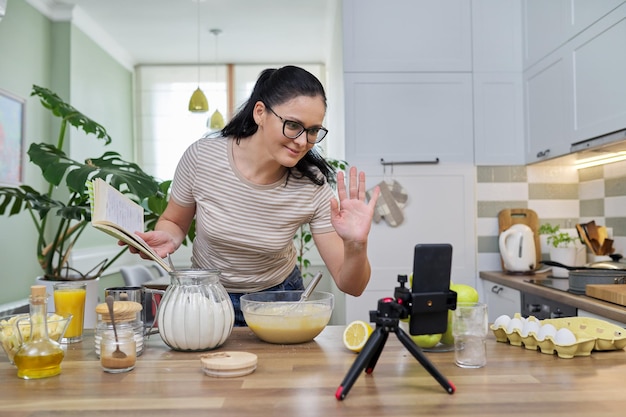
{"x": 352, "y": 215}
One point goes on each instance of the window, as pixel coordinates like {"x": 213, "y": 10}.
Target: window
{"x": 165, "y": 126}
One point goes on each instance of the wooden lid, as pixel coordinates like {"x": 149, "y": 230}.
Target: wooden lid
{"x": 228, "y": 364}
{"x": 123, "y": 310}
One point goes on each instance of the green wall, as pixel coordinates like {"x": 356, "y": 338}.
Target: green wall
{"x": 56, "y": 55}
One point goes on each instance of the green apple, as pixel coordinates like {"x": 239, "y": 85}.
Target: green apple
{"x": 465, "y": 293}
{"x": 447, "y": 338}
{"x": 427, "y": 340}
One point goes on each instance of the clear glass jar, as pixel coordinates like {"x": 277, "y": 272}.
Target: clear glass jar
{"x": 196, "y": 312}
{"x": 118, "y": 355}
{"x": 135, "y": 326}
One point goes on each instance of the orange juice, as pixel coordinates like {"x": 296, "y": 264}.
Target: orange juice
{"x": 70, "y": 298}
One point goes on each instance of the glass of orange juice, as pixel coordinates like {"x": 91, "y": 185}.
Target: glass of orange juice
{"x": 69, "y": 297}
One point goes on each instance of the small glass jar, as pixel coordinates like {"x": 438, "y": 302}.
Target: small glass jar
{"x": 118, "y": 355}
{"x": 135, "y": 326}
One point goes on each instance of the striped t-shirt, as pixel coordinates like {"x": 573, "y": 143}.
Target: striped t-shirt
{"x": 245, "y": 230}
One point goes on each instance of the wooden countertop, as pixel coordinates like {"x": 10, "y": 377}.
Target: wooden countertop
{"x": 592, "y": 305}
{"x": 301, "y": 380}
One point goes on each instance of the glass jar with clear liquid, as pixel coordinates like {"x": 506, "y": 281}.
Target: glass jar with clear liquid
{"x": 39, "y": 356}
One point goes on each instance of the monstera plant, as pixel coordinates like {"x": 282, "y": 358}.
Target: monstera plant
{"x": 61, "y": 213}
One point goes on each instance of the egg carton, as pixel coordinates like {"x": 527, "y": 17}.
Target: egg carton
{"x": 567, "y": 336}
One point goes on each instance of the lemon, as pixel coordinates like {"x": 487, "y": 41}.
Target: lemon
{"x": 356, "y": 334}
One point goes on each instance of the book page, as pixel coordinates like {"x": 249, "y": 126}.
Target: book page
{"x": 114, "y": 207}
{"x": 119, "y": 216}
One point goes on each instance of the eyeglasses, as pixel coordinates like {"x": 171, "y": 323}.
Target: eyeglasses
{"x": 293, "y": 130}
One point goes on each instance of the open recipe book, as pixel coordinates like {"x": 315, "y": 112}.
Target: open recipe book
{"x": 117, "y": 215}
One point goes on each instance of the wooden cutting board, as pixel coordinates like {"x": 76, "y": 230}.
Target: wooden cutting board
{"x": 613, "y": 293}
{"x": 509, "y": 217}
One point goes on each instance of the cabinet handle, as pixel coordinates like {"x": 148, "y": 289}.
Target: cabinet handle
{"x": 496, "y": 289}
{"x": 542, "y": 154}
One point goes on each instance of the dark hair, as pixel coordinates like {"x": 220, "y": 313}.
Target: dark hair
{"x": 274, "y": 87}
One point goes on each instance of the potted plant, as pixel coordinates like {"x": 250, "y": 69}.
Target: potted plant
{"x": 62, "y": 212}
{"x": 562, "y": 247}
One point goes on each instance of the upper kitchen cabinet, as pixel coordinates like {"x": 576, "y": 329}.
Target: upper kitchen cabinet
{"x": 407, "y": 35}
{"x": 496, "y": 36}
{"x": 498, "y": 87}
{"x": 599, "y": 77}
{"x": 408, "y": 116}
{"x": 549, "y": 100}
{"x": 577, "y": 92}
{"x": 548, "y": 25}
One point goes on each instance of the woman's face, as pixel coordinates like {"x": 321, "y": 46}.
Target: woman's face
{"x": 307, "y": 111}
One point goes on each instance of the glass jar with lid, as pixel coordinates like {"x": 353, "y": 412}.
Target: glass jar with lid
{"x": 127, "y": 317}
{"x": 195, "y": 313}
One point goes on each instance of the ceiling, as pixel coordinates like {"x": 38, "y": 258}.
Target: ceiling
{"x": 165, "y": 31}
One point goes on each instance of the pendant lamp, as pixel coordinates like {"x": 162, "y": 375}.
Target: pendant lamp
{"x": 198, "y": 102}
{"x": 216, "y": 122}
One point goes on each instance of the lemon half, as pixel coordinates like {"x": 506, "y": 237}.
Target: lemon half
{"x": 356, "y": 334}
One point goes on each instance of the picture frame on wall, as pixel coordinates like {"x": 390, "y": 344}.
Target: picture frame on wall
{"x": 11, "y": 138}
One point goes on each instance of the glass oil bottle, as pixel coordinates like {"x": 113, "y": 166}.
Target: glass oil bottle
{"x": 39, "y": 356}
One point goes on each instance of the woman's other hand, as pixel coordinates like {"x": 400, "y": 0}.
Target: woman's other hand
{"x": 160, "y": 241}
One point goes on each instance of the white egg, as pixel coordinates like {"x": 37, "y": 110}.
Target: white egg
{"x": 546, "y": 330}
{"x": 530, "y": 326}
{"x": 514, "y": 324}
{"x": 564, "y": 337}
{"x": 502, "y": 322}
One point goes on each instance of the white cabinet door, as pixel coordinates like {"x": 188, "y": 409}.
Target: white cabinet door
{"x": 548, "y": 25}
{"x": 584, "y": 13}
{"x": 440, "y": 209}
{"x": 545, "y": 27}
{"x": 498, "y": 86}
{"x": 599, "y": 77}
{"x": 577, "y": 92}
{"x": 496, "y": 36}
{"x": 407, "y": 35}
{"x": 499, "y": 119}
{"x": 548, "y": 96}
{"x": 410, "y": 116}
{"x": 501, "y": 300}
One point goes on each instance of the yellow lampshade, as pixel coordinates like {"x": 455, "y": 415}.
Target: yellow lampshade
{"x": 198, "y": 102}
{"x": 217, "y": 121}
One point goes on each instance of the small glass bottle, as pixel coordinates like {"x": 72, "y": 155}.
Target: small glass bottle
{"x": 39, "y": 356}
{"x": 114, "y": 360}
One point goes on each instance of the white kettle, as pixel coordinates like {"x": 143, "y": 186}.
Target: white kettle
{"x": 517, "y": 248}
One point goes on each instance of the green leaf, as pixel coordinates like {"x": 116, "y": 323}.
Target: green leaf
{"x": 68, "y": 113}
{"x": 124, "y": 176}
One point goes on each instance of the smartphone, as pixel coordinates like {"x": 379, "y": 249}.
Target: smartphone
{"x": 432, "y": 265}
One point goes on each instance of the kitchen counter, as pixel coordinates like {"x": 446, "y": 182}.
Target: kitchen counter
{"x": 300, "y": 380}
{"x": 592, "y": 305}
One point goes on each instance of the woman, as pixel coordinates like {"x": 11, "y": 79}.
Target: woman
{"x": 251, "y": 188}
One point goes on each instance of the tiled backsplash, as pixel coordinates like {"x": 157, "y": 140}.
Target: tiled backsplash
{"x": 558, "y": 194}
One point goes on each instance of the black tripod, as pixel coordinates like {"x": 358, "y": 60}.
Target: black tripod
{"x": 387, "y": 318}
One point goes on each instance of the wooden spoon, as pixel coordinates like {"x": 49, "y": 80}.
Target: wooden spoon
{"x": 117, "y": 353}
